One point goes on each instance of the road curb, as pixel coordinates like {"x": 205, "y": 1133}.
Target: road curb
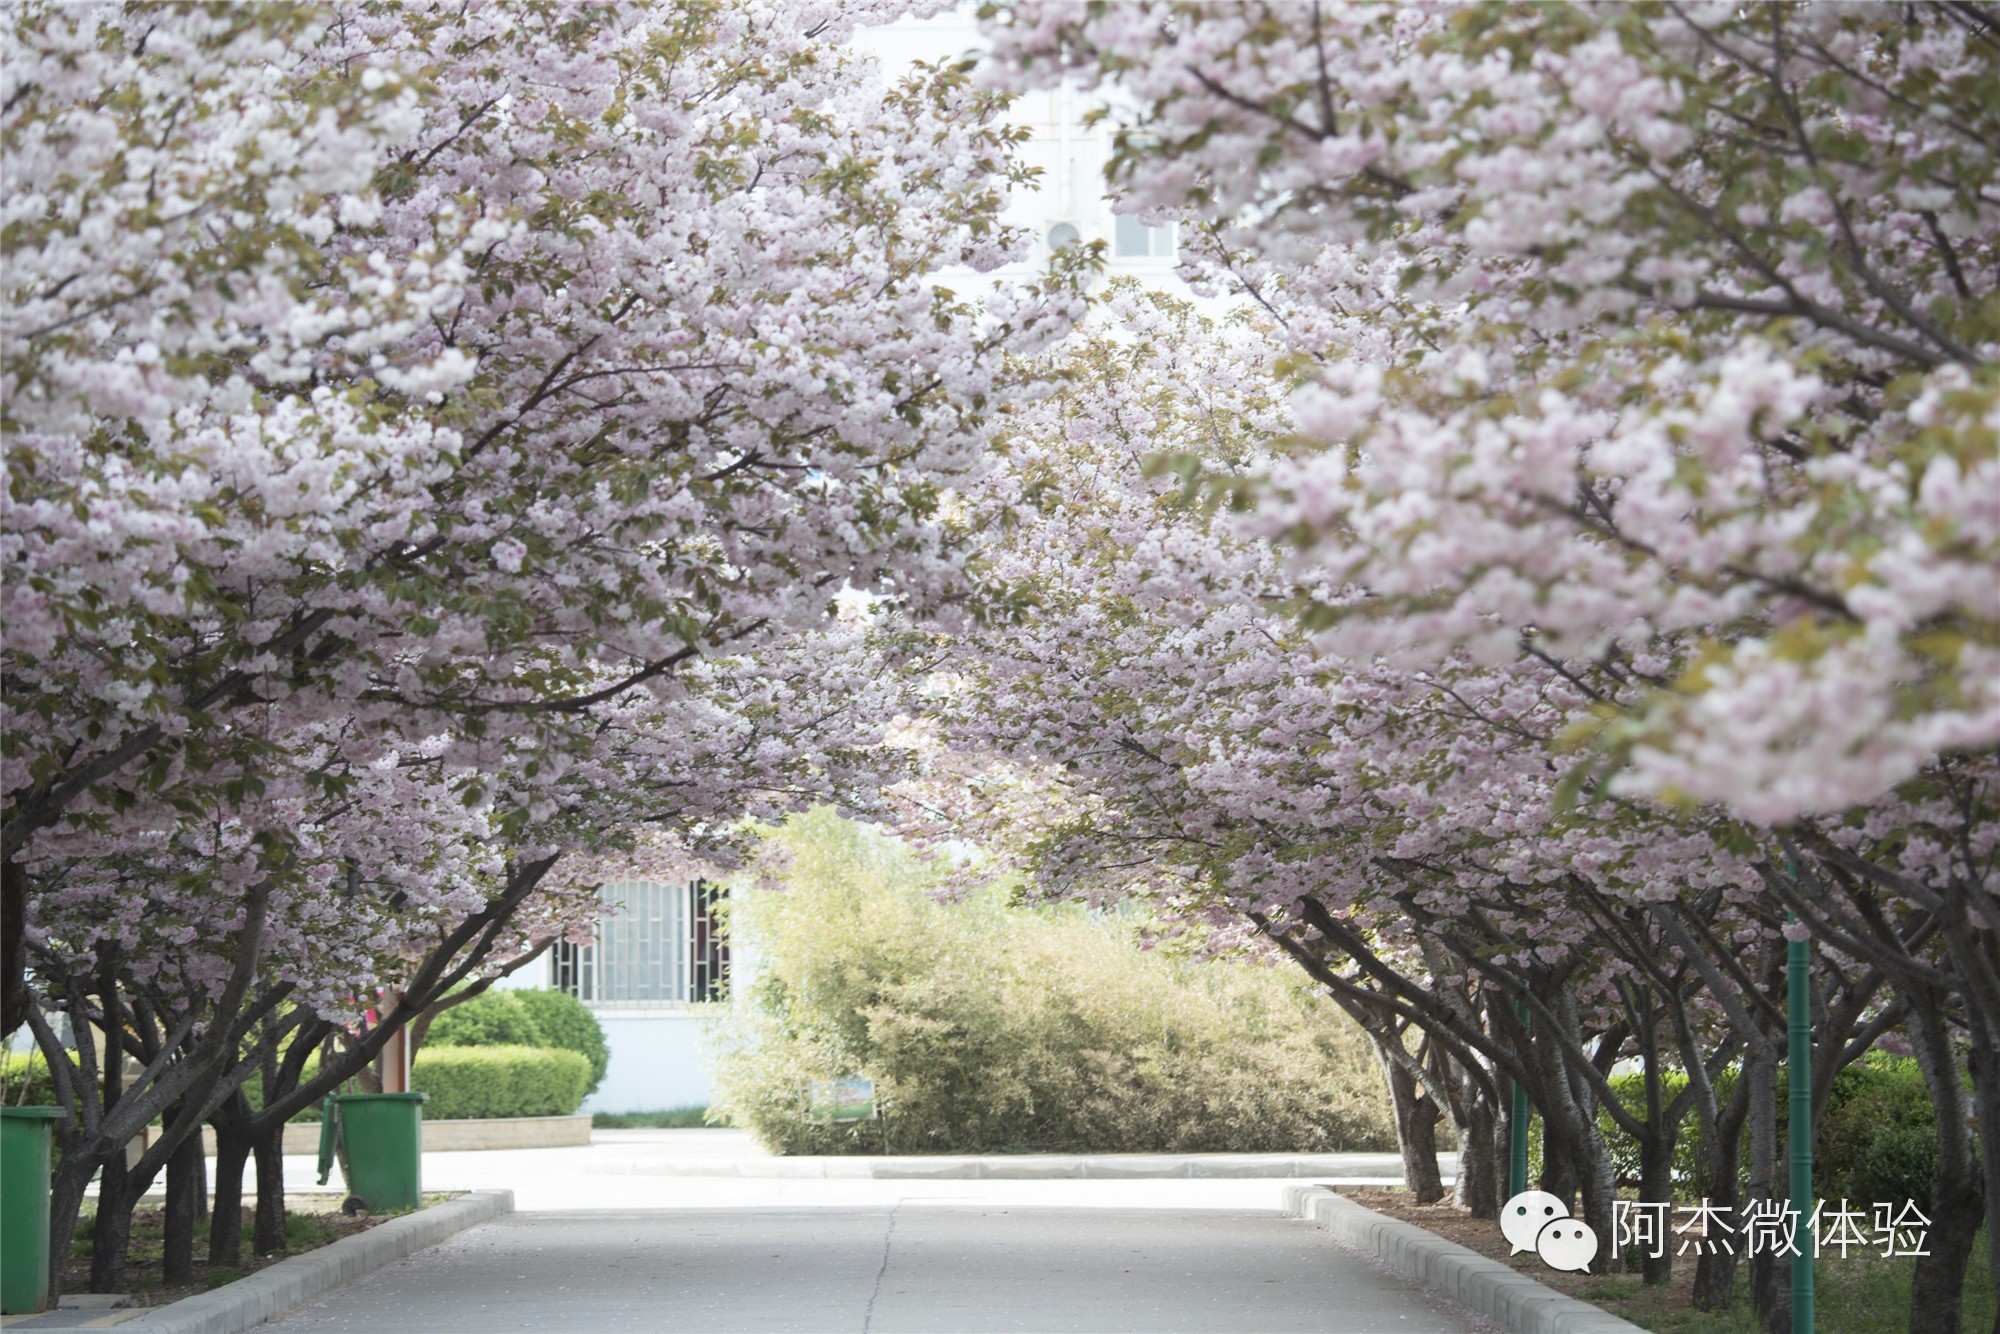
{"x": 1488, "y": 1288}
{"x": 271, "y": 1292}
{"x": 1030, "y": 1167}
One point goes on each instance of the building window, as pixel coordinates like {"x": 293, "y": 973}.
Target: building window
{"x": 1134, "y": 240}
{"x": 661, "y": 945}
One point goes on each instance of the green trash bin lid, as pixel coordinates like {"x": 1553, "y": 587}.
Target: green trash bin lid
{"x": 32, "y": 1113}
{"x": 381, "y": 1097}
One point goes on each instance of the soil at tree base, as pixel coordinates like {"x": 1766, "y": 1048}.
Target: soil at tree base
{"x": 142, "y": 1269}
{"x": 1622, "y": 1295}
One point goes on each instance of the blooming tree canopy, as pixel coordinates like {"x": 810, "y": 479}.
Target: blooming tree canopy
{"x": 1641, "y": 375}
{"x": 1162, "y": 726}
{"x": 437, "y": 438}
{"x": 422, "y": 371}
{"x": 1664, "y": 336}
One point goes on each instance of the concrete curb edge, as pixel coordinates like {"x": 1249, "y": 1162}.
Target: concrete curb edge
{"x": 1488, "y": 1288}
{"x": 271, "y": 1292}
{"x": 1031, "y": 1167}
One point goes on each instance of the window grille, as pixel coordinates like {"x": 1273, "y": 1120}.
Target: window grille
{"x": 661, "y": 945}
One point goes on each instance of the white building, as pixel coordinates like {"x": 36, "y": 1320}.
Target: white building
{"x": 1066, "y": 203}
{"x": 658, "y": 972}
{"x": 656, "y": 977}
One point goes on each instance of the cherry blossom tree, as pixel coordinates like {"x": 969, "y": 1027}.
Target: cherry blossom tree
{"x": 402, "y": 885}
{"x": 444, "y": 372}
{"x": 437, "y": 438}
{"x": 1156, "y": 722}
{"x": 1652, "y": 345}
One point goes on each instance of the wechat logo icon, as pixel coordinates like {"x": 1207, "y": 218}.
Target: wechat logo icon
{"x": 1537, "y": 1221}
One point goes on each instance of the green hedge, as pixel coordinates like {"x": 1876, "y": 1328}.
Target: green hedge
{"x": 25, "y": 1081}
{"x": 490, "y": 1019}
{"x": 1689, "y": 1148}
{"x": 1877, "y": 1139}
{"x": 463, "y": 1082}
{"x": 476, "y": 1082}
{"x": 567, "y": 1022}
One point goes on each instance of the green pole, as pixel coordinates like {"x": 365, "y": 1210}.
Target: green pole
{"x": 1798, "y": 967}
{"x": 1517, "y": 1124}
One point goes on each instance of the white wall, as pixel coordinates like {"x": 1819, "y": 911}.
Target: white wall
{"x": 659, "y": 1057}
{"x": 530, "y": 977}
{"x": 659, "y": 1060}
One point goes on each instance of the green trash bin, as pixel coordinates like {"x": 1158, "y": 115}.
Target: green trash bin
{"x": 382, "y": 1134}
{"x": 24, "y": 1207}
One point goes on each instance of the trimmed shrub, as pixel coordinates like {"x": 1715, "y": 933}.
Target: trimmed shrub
{"x": 25, "y": 1079}
{"x": 567, "y": 1022}
{"x": 467, "y": 1083}
{"x": 1690, "y": 1147}
{"x": 490, "y": 1019}
{"x": 1878, "y": 1140}
{"x": 989, "y": 1027}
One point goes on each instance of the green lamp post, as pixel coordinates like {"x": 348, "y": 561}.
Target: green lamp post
{"x": 1517, "y": 1123}
{"x": 1798, "y": 970}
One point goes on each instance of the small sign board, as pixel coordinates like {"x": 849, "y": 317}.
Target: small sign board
{"x": 850, "y": 1099}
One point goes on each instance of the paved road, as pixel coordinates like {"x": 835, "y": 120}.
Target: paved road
{"x": 953, "y": 1264}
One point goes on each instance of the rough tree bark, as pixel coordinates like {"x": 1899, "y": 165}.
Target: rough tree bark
{"x": 1416, "y": 1125}
{"x": 1656, "y": 1186}
{"x": 187, "y": 1176}
{"x": 1722, "y": 1133}
{"x": 1938, "y": 1285}
{"x": 1571, "y": 1112}
{"x": 232, "y": 1154}
{"x": 1478, "y": 1188}
{"x": 1770, "y": 1284}
{"x": 14, "y": 996}
{"x": 267, "y": 1235}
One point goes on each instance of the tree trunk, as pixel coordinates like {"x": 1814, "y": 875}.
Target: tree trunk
{"x": 1986, "y": 1105}
{"x": 1416, "y": 1126}
{"x": 1503, "y": 1149}
{"x": 1937, "y": 1287}
{"x": 1558, "y": 1165}
{"x": 1715, "y": 1270}
{"x": 1559, "y": 1175}
{"x": 268, "y": 1231}
{"x": 1570, "y": 1136}
{"x": 1656, "y": 1186}
{"x": 1770, "y": 1275}
{"x": 1599, "y": 1188}
{"x": 232, "y": 1153}
{"x": 66, "y": 1190}
{"x": 111, "y": 1234}
{"x": 1477, "y": 1189}
{"x": 14, "y": 997}
{"x": 187, "y": 1177}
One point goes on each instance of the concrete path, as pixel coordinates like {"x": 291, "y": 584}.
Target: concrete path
{"x": 702, "y": 1230}
{"x": 920, "y": 1263}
